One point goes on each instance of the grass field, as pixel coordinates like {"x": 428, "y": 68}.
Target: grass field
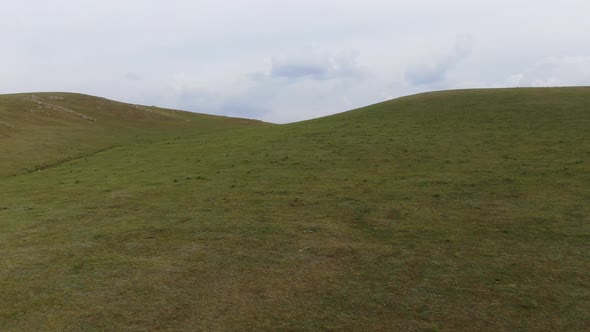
{"x": 458, "y": 210}
{"x": 38, "y": 130}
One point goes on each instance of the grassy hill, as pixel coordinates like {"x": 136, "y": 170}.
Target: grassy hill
{"x": 38, "y": 130}
{"x": 458, "y": 210}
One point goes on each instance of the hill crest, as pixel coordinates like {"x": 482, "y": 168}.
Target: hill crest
{"x": 37, "y": 129}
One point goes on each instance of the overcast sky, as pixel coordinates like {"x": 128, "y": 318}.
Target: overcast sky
{"x": 284, "y": 61}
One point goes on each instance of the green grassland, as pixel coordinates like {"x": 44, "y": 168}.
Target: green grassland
{"x": 38, "y": 130}
{"x": 458, "y": 210}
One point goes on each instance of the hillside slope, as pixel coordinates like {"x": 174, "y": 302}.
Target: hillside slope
{"x": 458, "y": 210}
{"x": 41, "y": 129}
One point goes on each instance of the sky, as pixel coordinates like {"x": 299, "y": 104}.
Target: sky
{"x": 287, "y": 61}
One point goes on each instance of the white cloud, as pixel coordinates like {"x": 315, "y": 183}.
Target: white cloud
{"x": 514, "y": 80}
{"x": 555, "y": 71}
{"x": 435, "y": 72}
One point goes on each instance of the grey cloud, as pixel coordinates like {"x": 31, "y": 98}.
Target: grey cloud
{"x": 339, "y": 66}
{"x": 435, "y": 72}
{"x": 133, "y": 77}
{"x": 295, "y": 71}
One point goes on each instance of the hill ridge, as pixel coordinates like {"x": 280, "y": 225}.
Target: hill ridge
{"x": 69, "y": 125}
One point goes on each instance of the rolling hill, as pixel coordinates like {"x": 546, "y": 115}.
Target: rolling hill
{"x": 452, "y": 210}
{"x": 38, "y": 130}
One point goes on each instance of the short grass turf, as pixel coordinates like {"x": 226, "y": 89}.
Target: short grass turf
{"x": 459, "y": 210}
{"x": 39, "y": 130}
